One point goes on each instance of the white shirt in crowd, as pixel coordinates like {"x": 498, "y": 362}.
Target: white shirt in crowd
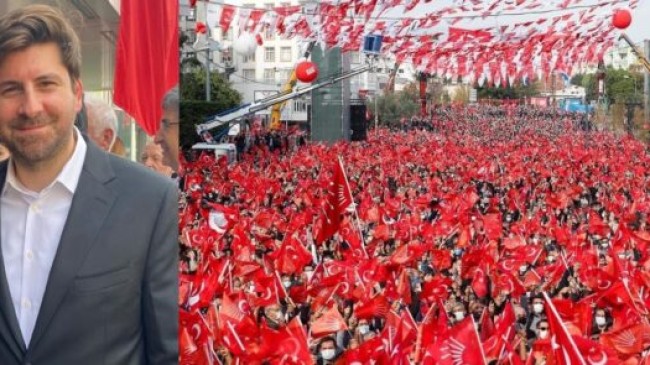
{"x": 31, "y": 224}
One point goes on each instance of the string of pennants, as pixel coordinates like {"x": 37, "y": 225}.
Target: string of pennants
{"x": 523, "y": 39}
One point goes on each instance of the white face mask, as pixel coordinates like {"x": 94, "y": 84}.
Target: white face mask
{"x": 538, "y": 308}
{"x": 363, "y": 329}
{"x": 600, "y": 321}
{"x": 286, "y": 283}
{"x": 459, "y": 315}
{"x": 543, "y": 334}
{"x": 328, "y": 354}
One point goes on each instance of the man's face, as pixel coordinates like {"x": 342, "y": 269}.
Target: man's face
{"x": 38, "y": 104}
{"x": 152, "y": 157}
{"x": 328, "y": 345}
{"x": 167, "y": 137}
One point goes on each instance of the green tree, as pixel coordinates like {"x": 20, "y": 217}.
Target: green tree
{"x": 577, "y": 79}
{"x": 194, "y": 109}
{"x": 509, "y": 92}
{"x": 401, "y": 104}
{"x": 620, "y": 85}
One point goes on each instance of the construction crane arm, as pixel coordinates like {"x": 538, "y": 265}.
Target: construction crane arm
{"x": 639, "y": 54}
{"x": 276, "y": 109}
{"x": 242, "y": 111}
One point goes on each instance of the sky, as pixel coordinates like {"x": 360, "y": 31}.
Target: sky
{"x": 640, "y": 30}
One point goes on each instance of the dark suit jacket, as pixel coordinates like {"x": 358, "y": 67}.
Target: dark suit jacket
{"x": 111, "y": 297}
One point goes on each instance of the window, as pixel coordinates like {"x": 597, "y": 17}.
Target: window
{"x": 269, "y": 54}
{"x": 268, "y": 6}
{"x": 269, "y": 34}
{"x": 269, "y": 75}
{"x": 249, "y": 74}
{"x": 227, "y": 35}
{"x": 226, "y": 57}
{"x": 299, "y": 106}
{"x": 285, "y": 54}
{"x": 247, "y": 59}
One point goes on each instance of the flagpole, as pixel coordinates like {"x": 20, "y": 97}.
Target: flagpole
{"x": 480, "y": 344}
{"x": 354, "y": 206}
{"x": 562, "y": 328}
{"x": 284, "y": 290}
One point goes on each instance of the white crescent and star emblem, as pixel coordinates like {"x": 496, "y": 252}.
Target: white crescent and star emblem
{"x": 602, "y": 361}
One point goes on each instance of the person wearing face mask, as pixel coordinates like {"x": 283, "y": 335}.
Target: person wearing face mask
{"x": 286, "y": 282}
{"x": 458, "y": 312}
{"x": 327, "y": 352}
{"x": 541, "y": 349}
{"x": 363, "y": 327}
{"x": 602, "y": 323}
{"x": 534, "y": 316}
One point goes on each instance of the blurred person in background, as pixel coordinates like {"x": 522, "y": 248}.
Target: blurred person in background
{"x": 168, "y": 133}
{"x": 152, "y": 157}
{"x": 102, "y": 123}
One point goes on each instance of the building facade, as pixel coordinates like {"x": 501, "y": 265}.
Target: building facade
{"x": 265, "y": 72}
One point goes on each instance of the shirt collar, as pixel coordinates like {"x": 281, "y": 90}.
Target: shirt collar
{"x": 68, "y": 177}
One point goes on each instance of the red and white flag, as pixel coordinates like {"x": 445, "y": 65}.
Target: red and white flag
{"x": 564, "y": 348}
{"x": 331, "y": 321}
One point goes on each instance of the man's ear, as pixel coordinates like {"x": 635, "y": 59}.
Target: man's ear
{"x": 107, "y": 136}
{"x": 78, "y": 90}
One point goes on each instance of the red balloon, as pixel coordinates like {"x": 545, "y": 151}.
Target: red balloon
{"x": 259, "y": 39}
{"x": 306, "y": 71}
{"x": 622, "y": 18}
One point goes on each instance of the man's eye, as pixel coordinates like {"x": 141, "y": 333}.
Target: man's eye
{"x": 9, "y": 91}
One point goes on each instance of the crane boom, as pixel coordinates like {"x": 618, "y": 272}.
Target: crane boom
{"x": 636, "y": 51}
{"x": 250, "y": 108}
{"x": 276, "y": 109}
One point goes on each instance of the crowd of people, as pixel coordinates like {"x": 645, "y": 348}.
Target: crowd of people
{"x": 489, "y": 236}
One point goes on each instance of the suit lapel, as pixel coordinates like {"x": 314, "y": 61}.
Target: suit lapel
{"x": 90, "y": 206}
{"x": 10, "y": 331}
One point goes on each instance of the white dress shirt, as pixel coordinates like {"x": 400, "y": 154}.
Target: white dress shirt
{"x": 31, "y": 224}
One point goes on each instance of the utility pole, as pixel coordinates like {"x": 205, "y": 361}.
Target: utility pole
{"x": 646, "y": 84}
{"x": 207, "y": 75}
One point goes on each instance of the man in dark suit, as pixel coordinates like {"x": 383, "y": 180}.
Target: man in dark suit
{"x": 88, "y": 259}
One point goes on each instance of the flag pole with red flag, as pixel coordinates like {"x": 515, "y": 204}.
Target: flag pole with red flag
{"x": 564, "y": 348}
{"x": 146, "y": 59}
{"x": 354, "y": 206}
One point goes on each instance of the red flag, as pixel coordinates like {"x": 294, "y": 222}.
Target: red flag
{"x": 331, "y": 321}
{"x": 462, "y": 346}
{"x": 564, "y": 348}
{"x": 292, "y": 256}
{"x": 338, "y": 200}
{"x": 147, "y": 59}
{"x": 378, "y": 306}
{"x": 227, "y": 15}
{"x": 480, "y": 283}
{"x": 629, "y": 340}
{"x": 404, "y": 287}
